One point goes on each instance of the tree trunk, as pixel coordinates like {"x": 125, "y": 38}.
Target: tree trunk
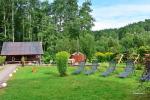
{"x": 13, "y": 21}
{"x": 23, "y": 30}
{"x": 5, "y": 29}
{"x": 78, "y": 45}
{"x": 30, "y": 28}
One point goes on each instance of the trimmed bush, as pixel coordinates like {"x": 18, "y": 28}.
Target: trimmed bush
{"x": 62, "y": 62}
{"x": 2, "y": 59}
{"x": 102, "y": 57}
{"x": 109, "y": 56}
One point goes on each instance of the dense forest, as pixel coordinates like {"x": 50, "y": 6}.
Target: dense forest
{"x": 64, "y": 25}
{"x": 128, "y": 38}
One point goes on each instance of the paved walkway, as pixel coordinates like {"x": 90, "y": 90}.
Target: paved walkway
{"x": 4, "y": 74}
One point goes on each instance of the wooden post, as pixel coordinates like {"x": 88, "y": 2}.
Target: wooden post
{"x": 22, "y": 61}
{"x": 120, "y": 59}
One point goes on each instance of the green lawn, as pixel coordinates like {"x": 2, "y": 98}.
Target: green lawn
{"x": 46, "y": 84}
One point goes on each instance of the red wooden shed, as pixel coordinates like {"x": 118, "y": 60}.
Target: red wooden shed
{"x": 78, "y": 57}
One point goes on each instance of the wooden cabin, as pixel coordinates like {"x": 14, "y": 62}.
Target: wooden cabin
{"x": 14, "y": 51}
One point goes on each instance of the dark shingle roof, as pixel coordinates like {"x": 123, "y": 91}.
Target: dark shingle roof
{"x": 22, "y": 48}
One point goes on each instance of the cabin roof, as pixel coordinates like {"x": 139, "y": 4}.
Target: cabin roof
{"x": 22, "y": 48}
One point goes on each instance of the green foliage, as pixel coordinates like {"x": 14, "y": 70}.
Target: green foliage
{"x": 63, "y": 45}
{"x": 143, "y": 50}
{"x": 139, "y": 67}
{"x": 109, "y": 56}
{"x": 87, "y": 45}
{"x": 86, "y": 20}
{"x": 103, "y": 57}
{"x": 138, "y": 41}
{"x": 127, "y": 41}
{"x": 66, "y": 44}
{"x": 2, "y": 59}
{"x": 100, "y": 56}
{"x": 62, "y": 62}
{"x": 46, "y": 57}
{"x": 108, "y": 44}
{"x": 128, "y": 38}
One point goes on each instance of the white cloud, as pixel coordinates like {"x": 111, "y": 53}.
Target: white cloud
{"x": 119, "y": 15}
{"x": 106, "y": 24}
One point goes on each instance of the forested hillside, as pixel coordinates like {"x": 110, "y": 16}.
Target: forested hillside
{"x": 63, "y": 25}
{"x": 128, "y": 38}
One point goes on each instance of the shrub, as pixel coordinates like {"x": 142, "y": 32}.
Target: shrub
{"x": 102, "y": 57}
{"x": 46, "y": 58}
{"x": 109, "y": 56}
{"x": 62, "y": 62}
{"x": 143, "y": 50}
{"x": 139, "y": 67}
{"x": 2, "y": 59}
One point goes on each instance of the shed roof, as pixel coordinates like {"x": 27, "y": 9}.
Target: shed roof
{"x": 22, "y": 48}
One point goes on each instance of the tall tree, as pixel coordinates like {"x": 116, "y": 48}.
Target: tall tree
{"x": 86, "y": 19}
{"x": 57, "y": 11}
{"x": 72, "y": 18}
{"x": 4, "y": 17}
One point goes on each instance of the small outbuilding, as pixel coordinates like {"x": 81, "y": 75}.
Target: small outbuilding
{"x": 78, "y": 57}
{"x": 14, "y": 51}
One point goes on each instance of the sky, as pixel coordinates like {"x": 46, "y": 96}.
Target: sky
{"x": 118, "y": 13}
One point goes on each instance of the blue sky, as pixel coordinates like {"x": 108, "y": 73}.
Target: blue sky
{"x": 118, "y": 13}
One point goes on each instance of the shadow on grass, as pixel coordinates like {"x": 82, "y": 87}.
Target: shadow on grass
{"x": 52, "y": 74}
{"x": 141, "y": 97}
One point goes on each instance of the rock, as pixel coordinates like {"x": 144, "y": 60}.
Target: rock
{"x": 10, "y": 75}
{"x": 4, "y": 84}
{"x": 14, "y": 71}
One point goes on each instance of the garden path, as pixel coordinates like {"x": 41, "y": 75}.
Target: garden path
{"x": 5, "y": 73}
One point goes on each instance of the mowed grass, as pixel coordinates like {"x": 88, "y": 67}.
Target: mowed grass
{"x": 46, "y": 84}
